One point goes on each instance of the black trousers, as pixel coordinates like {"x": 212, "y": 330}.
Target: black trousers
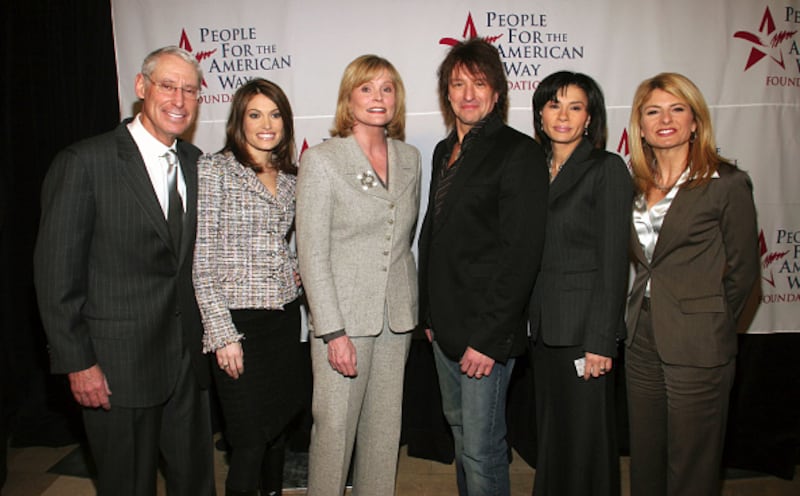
{"x": 126, "y": 443}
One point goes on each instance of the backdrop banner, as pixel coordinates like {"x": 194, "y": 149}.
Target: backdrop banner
{"x": 743, "y": 54}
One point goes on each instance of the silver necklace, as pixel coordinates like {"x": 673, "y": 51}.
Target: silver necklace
{"x": 657, "y": 174}
{"x": 554, "y": 173}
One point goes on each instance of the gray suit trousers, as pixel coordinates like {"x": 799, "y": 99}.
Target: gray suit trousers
{"x": 367, "y": 407}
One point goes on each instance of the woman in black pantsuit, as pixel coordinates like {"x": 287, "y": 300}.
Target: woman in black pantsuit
{"x": 578, "y": 302}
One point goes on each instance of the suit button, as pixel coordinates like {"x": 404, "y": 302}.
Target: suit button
{"x": 385, "y": 252}
{"x": 391, "y": 221}
{"x": 391, "y": 206}
{"x": 384, "y": 269}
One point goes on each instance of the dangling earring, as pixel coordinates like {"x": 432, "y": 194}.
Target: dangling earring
{"x": 586, "y": 131}
{"x": 693, "y": 137}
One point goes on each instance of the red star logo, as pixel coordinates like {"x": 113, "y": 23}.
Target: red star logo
{"x": 200, "y": 56}
{"x": 623, "y": 144}
{"x": 767, "y": 258}
{"x": 469, "y": 32}
{"x": 763, "y": 48}
{"x": 303, "y": 148}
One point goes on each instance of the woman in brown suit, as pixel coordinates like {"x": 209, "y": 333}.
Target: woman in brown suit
{"x": 694, "y": 247}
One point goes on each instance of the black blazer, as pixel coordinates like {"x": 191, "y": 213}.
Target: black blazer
{"x": 479, "y": 259}
{"x": 112, "y": 290}
{"x": 579, "y": 297}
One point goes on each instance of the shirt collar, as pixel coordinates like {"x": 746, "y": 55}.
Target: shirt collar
{"x": 489, "y": 123}
{"x": 685, "y": 177}
{"x": 147, "y": 143}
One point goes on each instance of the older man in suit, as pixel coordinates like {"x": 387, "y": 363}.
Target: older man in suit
{"x": 113, "y": 276}
{"x": 480, "y": 249}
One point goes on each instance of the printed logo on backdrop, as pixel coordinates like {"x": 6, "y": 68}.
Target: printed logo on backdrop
{"x": 775, "y": 44}
{"x": 230, "y": 57}
{"x": 527, "y": 43}
{"x": 780, "y": 265}
{"x": 624, "y": 149}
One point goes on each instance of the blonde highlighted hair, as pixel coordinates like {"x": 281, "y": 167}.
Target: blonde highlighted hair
{"x": 703, "y": 157}
{"x": 358, "y": 72}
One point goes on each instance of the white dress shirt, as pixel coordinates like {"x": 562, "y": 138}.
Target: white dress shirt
{"x": 152, "y": 152}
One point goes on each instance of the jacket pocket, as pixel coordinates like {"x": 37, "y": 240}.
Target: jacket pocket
{"x": 705, "y": 304}
{"x": 572, "y": 281}
{"x": 111, "y": 328}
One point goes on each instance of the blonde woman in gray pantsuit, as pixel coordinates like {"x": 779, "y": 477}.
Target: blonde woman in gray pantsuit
{"x": 357, "y": 204}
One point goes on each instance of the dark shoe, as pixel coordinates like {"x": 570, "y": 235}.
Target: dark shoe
{"x": 272, "y": 468}
{"x": 233, "y": 492}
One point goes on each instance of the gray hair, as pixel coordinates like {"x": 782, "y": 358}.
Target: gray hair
{"x": 150, "y": 62}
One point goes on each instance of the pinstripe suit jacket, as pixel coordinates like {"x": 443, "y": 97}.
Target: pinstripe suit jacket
{"x": 354, "y": 238}
{"x": 112, "y": 290}
{"x": 579, "y": 297}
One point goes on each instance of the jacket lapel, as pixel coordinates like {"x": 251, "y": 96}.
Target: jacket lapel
{"x": 572, "y": 171}
{"x": 358, "y": 171}
{"x": 675, "y": 221}
{"x": 133, "y": 172}
{"x": 401, "y": 172}
{"x": 189, "y": 169}
{"x": 473, "y": 158}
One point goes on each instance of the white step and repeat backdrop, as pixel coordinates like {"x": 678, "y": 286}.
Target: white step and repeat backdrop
{"x": 743, "y": 54}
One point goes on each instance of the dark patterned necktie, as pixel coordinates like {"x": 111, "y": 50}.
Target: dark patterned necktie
{"x": 175, "y": 207}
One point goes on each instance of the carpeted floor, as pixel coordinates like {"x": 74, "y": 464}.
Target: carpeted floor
{"x": 79, "y": 463}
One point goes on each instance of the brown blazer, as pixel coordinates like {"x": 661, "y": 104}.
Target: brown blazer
{"x": 703, "y": 269}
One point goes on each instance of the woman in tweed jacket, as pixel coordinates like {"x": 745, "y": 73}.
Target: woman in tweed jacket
{"x": 245, "y": 280}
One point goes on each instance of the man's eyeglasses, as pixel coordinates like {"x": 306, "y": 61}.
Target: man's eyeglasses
{"x": 171, "y": 89}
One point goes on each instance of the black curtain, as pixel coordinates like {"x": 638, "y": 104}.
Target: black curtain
{"x": 59, "y": 85}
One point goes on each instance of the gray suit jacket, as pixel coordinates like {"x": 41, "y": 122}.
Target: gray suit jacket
{"x": 354, "y": 237}
{"x": 703, "y": 269}
{"x": 111, "y": 289}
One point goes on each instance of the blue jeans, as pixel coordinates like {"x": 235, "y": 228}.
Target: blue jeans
{"x": 476, "y": 412}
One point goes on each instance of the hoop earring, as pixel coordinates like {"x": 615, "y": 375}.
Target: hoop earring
{"x": 693, "y": 137}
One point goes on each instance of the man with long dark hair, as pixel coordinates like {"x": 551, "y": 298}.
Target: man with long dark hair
{"x": 480, "y": 247}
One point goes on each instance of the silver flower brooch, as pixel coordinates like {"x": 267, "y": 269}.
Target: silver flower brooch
{"x": 368, "y": 180}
